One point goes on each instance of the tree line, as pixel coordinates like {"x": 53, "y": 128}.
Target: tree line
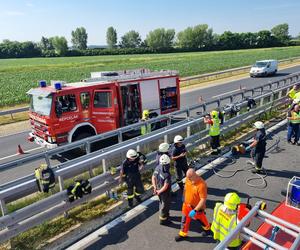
{"x": 196, "y": 38}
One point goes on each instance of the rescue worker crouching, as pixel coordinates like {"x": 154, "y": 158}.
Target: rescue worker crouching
{"x": 225, "y": 219}
{"x": 161, "y": 181}
{"x": 147, "y": 127}
{"x": 258, "y": 147}
{"x": 130, "y": 171}
{"x": 214, "y": 121}
{"x": 193, "y": 207}
{"x": 180, "y": 160}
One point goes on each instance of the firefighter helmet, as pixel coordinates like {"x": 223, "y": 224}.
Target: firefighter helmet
{"x": 178, "y": 138}
{"x": 259, "y": 125}
{"x": 163, "y": 147}
{"x": 131, "y": 154}
{"x": 232, "y": 200}
{"x": 164, "y": 160}
{"x": 145, "y": 114}
{"x": 214, "y": 114}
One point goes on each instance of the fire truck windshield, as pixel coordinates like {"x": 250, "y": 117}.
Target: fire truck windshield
{"x": 41, "y": 104}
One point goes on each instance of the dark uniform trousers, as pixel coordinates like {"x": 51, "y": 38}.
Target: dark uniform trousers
{"x": 181, "y": 170}
{"x": 165, "y": 202}
{"x": 215, "y": 142}
{"x": 135, "y": 187}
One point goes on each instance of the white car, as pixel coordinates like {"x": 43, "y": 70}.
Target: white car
{"x": 264, "y": 68}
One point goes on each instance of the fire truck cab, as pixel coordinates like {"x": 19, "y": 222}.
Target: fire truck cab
{"x": 63, "y": 113}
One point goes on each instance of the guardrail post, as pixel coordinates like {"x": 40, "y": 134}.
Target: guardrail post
{"x": 104, "y": 165}
{"x": 11, "y": 116}
{"x": 47, "y": 160}
{"x": 120, "y": 138}
{"x": 87, "y": 147}
{"x": 3, "y": 207}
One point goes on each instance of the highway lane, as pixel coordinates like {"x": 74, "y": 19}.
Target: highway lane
{"x": 188, "y": 97}
{"x": 144, "y": 231}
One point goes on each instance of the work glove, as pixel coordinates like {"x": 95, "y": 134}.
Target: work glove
{"x": 192, "y": 214}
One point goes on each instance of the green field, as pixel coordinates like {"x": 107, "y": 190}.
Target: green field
{"x": 19, "y": 75}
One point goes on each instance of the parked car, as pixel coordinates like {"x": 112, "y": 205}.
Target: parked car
{"x": 264, "y": 68}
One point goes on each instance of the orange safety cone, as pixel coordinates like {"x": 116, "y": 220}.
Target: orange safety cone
{"x": 20, "y": 150}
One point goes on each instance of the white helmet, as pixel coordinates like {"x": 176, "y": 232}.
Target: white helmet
{"x": 259, "y": 125}
{"x": 296, "y": 101}
{"x": 163, "y": 147}
{"x": 178, "y": 138}
{"x": 164, "y": 160}
{"x": 131, "y": 154}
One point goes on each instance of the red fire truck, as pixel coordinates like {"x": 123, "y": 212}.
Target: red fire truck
{"x": 63, "y": 113}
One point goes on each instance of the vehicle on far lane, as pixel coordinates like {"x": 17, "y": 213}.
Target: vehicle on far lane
{"x": 264, "y": 68}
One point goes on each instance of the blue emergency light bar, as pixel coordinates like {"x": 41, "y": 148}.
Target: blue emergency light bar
{"x": 57, "y": 85}
{"x": 295, "y": 193}
{"x": 43, "y": 84}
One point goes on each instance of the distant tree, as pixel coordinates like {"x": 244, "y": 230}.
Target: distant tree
{"x": 79, "y": 38}
{"x": 248, "y": 40}
{"x": 160, "y": 39}
{"x": 60, "y": 45}
{"x": 229, "y": 40}
{"x": 298, "y": 37}
{"x": 265, "y": 39}
{"x": 196, "y": 37}
{"x": 131, "y": 39}
{"x": 45, "y": 44}
{"x": 281, "y": 32}
{"x": 111, "y": 37}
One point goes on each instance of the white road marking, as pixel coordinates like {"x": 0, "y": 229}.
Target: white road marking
{"x": 229, "y": 92}
{"x": 27, "y": 151}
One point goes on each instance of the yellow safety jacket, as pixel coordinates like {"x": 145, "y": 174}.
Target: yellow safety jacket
{"x": 295, "y": 117}
{"x": 145, "y": 128}
{"x": 214, "y": 129}
{"x": 297, "y": 95}
{"x": 292, "y": 93}
{"x": 223, "y": 223}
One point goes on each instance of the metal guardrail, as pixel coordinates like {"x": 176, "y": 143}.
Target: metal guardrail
{"x": 187, "y": 112}
{"x": 34, "y": 214}
{"x": 13, "y": 111}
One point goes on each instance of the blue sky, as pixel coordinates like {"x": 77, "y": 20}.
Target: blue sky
{"x": 23, "y": 20}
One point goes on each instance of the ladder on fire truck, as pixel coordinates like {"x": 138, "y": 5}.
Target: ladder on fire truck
{"x": 257, "y": 240}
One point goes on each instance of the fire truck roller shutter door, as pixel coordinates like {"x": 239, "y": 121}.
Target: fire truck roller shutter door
{"x": 81, "y": 125}
{"x": 149, "y": 95}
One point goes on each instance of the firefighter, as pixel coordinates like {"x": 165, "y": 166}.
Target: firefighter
{"x": 214, "y": 121}
{"x": 226, "y": 219}
{"x": 294, "y": 125}
{"x": 163, "y": 149}
{"x": 45, "y": 178}
{"x": 161, "y": 181}
{"x": 258, "y": 146}
{"x": 193, "y": 207}
{"x": 147, "y": 127}
{"x": 180, "y": 160}
{"x": 130, "y": 171}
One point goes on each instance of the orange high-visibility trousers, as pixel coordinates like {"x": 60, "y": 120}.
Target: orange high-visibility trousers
{"x": 186, "y": 220}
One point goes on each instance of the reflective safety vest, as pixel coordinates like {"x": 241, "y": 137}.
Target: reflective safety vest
{"x": 214, "y": 129}
{"x": 295, "y": 117}
{"x": 297, "y": 95}
{"x": 292, "y": 93}
{"x": 223, "y": 223}
{"x": 145, "y": 128}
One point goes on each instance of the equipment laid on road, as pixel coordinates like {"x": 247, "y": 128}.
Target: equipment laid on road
{"x": 45, "y": 178}
{"x": 63, "y": 113}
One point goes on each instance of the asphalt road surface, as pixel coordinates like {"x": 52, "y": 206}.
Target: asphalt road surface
{"x": 188, "y": 98}
{"x": 144, "y": 231}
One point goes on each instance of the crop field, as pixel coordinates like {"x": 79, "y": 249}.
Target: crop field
{"x": 17, "y": 76}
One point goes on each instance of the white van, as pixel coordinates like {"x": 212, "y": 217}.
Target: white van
{"x": 264, "y": 68}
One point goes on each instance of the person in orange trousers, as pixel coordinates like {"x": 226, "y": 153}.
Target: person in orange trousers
{"x": 193, "y": 207}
